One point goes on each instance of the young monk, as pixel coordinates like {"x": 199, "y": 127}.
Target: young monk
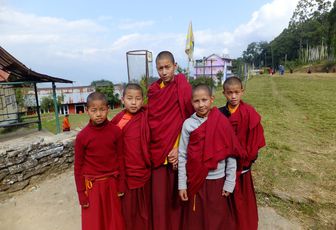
{"x": 132, "y": 121}
{"x": 99, "y": 168}
{"x": 246, "y": 124}
{"x": 207, "y": 171}
{"x": 66, "y": 123}
{"x": 168, "y": 106}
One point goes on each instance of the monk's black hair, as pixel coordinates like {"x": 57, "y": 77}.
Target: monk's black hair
{"x": 202, "y": 86}
{"x": 233, "y": 81}
{"x": 96, "y": 96}
{"x": 134, "y": 86}
{"x": 165, "y": 55}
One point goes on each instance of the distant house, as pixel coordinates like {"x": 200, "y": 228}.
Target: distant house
{"x": 211, "y": 65}
{"x": 74, "y": 98}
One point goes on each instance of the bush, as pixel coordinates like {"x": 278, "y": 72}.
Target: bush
{"x": 202, "y": 80}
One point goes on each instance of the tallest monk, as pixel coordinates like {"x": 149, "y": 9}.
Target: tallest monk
{"x": 169, "y": 104}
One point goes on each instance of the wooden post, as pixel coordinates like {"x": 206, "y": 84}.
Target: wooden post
{"x": 38, "y": 109}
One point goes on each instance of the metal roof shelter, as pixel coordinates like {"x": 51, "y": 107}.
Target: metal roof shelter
{"x": 13, "y": 72}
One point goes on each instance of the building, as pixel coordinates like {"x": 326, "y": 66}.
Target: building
{"x": 14, "y": 76}
{"x": 210, "y": 66}
{"x": 73, "y": 98}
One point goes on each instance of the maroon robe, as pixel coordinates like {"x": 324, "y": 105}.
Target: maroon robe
{"x": 246, "y": 123}
{"x": 168, "y": 107}
{"x": 98, "y": 171}
{"x": 213, "y": 141}
{"x": 136, "y": 203}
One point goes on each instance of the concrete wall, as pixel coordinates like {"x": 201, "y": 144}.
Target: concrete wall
{"x": 22, "y": 161}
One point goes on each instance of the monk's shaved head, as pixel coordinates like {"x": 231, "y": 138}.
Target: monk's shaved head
{"x": 233, "y": 81}
{"x": 96, "y": 96}
{"x": 165, "y": 55}
{"x": 134, "y": 86}
{"x": 203, "y": 87}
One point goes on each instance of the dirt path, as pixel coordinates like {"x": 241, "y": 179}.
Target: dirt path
{"x": 52, "y": 205}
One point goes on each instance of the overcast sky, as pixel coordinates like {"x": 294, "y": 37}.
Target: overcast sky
{"x": 88, "y": 40}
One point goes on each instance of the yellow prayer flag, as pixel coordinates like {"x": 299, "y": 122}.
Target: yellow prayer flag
{"x": 190, "y": 43}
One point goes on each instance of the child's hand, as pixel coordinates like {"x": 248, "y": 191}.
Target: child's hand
{"x": 225, "y": 193}
{"x": 173, "y": 156}
{"x": 183, "y": 194}
{"x": 120, "y": 194}
{"x": 85, "y": 205}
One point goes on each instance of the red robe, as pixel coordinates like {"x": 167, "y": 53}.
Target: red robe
{"x": 98, "y": 172}
{"x": 66, "y": 124}
{"x": 246, "y": 123}
{"x": 213, "y": 141}
{"x": 167, "y": 109}
{"x": 136, "y": 201}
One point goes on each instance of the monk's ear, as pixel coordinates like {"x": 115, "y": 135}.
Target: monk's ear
{"x": 212, "y": 99}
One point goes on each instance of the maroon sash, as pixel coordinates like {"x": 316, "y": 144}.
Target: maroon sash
{"x": 211, "y": 142}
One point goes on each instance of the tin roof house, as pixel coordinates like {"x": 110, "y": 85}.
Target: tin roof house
{"x": 210, "y": 66}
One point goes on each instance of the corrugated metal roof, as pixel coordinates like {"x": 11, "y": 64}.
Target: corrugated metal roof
{"x": 12, "y": 70}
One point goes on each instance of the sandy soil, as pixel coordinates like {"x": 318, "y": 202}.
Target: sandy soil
{"x": 52, "y": 205}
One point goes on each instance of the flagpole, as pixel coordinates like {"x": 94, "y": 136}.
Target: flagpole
{"x": 188, "y": 70}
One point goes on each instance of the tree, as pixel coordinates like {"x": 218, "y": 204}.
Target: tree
{"x": 331, "y": 41}
{"x": 311, "y": 35}
{"x": 144, "y": 85}
{"x": 255, "y": 53}
{"x": 307, "y": 9}
{"x": 182, "y": 70}
{"x": 107, "y": 88}
{"x": 47, "y": 103}
{"x": 203, "y": 80}
{"x": 219, "y": 76}
{"x": 19, "y": 97}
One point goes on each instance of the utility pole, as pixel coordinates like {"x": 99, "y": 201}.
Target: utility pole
{"x": 272, "y": 58}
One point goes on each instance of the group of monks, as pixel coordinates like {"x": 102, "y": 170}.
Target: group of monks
{"x": 175, "y": 163}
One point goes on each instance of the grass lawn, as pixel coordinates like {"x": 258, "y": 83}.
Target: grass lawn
{"x": 295, "y": 173}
